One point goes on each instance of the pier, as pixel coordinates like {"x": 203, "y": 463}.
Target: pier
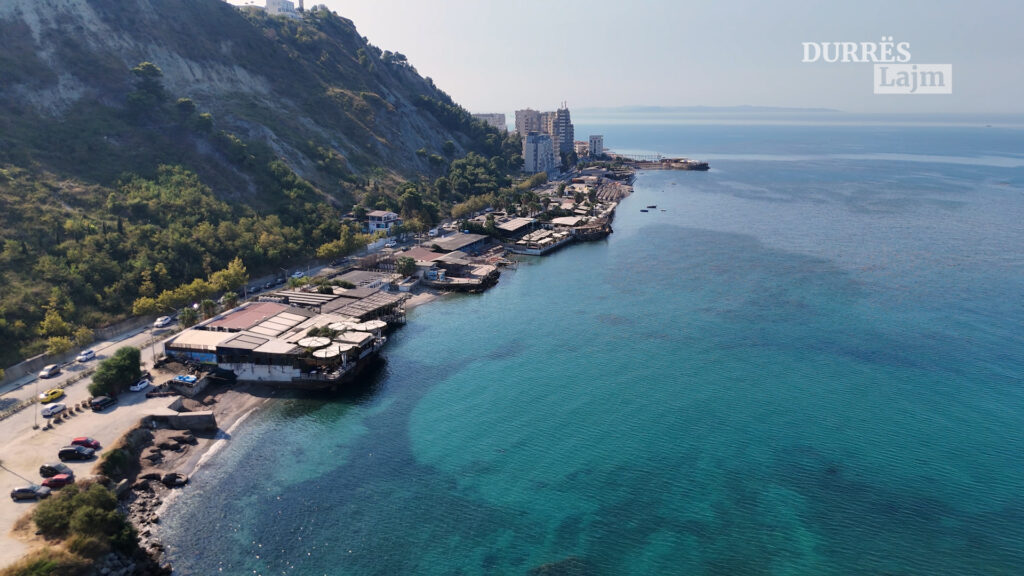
{"x": 659, "y": 162}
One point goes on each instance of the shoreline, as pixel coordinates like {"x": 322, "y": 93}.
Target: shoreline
{"x": 145, "y": 497}
{"x": 232, "y": 407}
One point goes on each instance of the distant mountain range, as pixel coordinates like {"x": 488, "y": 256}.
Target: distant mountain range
{"x": 707, "y": 109}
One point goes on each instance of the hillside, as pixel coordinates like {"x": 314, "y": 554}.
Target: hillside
{"x": 145, "y": 144}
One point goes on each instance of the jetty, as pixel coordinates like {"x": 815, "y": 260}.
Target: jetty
{"x": 659, "y": 162}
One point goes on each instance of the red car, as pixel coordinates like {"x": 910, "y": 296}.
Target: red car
{"x": 59, "y": 481}
{"x": 86, "y": 441}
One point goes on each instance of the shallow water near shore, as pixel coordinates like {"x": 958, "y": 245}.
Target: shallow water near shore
{"x": 791, "y": 366}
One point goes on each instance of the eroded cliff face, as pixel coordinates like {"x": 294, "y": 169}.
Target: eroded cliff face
{"x": 283, "y": 82}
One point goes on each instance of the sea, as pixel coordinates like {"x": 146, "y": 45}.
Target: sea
{"x": 805, "y": 361}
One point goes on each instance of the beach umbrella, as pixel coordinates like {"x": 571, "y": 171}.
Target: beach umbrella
{"x": 314, "y": 342}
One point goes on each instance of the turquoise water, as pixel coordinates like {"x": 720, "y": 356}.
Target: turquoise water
{"x": 806, "y": 361}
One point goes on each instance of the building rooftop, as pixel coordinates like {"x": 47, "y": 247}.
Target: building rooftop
{"x": 371, "y": 305}
{"x": 381, "y": 214}
{"x": 244, "y": 341}
{"x": 205, "y": 340}
{"x": 362, "y": 278}
{"x": 421, "y": 254}
{"x": 246, "y": 316}
{"x": 515, "y": 224}
{"x": 567, "y": 221}
{"x": 457, "y": 241}
{"x": 281, "y": 323}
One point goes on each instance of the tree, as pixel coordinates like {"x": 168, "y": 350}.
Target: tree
{"x": 83, "y": 336}
{"x": 149, "y": 89}
{"x": 406, "y": 266}
{"x": 230, "y": 300}
{"x": 54, "y": 325}
{"x": 188, "y": 317}
{"x": 145, "y": 306}
{"x": 208, "y": 307}
{"x": 186, "y": 107}
{"x": 58, "y": 345}
{"x": 230, "y": 278}
{"x": 149, "y": 80}
{"x": 117, "y": 373}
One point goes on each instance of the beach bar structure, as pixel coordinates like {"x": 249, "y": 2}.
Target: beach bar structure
{"x": 281, "y": 344}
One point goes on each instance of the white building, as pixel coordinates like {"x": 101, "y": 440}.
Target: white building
{"x": 596, "y": 144}
{"x": 538, "y": 153}
{"x": 282, "y": 7}
{"x": 580, "y": 147}
{"x": 528, "y": 121}
{"x": 496, "y": 120}
{"x": 382, "y": 220}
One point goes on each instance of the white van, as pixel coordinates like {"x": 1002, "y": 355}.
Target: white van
{"x": 432, "y": 233}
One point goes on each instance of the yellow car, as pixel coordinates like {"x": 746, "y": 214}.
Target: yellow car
{"x": 50, "y": 395}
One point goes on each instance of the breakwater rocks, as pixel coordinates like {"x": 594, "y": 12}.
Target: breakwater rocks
{"x": 155, "y": 458}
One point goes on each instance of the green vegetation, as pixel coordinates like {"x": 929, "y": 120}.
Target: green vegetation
{"x": 115, "y": 374}
{"x": 86, "y": 518}
{"x": 116, "y": 463}
{"x": 405, "y": 266}
{"x": 138, "y": 200}
{"x": 50, "y": 561}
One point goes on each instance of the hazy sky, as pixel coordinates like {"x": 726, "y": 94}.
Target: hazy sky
{"x": 495, "y": 56}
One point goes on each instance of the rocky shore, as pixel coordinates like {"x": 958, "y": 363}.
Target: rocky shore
{"x": 161, "y": 461}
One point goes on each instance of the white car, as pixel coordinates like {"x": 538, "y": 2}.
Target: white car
{"x": 86, "y": 355}
{"x": 163, "y": 321}
{"x": 299, "y": 274}
{"x": 391, "y": 244}
{"x": 53, "y": 410}
{"x": 140, "y": 385}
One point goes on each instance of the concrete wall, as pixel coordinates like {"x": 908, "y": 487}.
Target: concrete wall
{"x": 262, "y": 373}
{"x": 188, "y": 420}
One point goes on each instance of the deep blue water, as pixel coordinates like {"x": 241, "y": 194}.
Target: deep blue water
{"x": 806, "y": 361}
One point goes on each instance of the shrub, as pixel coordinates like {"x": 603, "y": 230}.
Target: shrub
{"x": 49, "y": 561}
{"x": 116, "y": 463}
{"x": 90, "y": 521}
{"x": 88, "y": 546}
{"x": 53, "y": 515}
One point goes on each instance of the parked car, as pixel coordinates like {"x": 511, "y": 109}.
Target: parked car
{"x": 87, "y": 442}
{"x": 75, "y": 453}
{"x": 391, "y": 244}
{"x": 298, "y": 274}
{"x": 163, "y": 321}
{"x": 140, "y": 385}
{"x": 268, "y": 285}
{"x": 100, "y": 402}
{"x": 59, "y": 481}
{"x": 53, "y": 410}
{"x": 50, "y": 395}
{"x": 86, "y": 355}
{"x": 30, "y": 492}
{"x": 48, "y": 470}
{"x": 49, "y": 371}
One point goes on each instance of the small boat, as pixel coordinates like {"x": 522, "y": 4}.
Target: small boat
{"x": 653, "y": 206}
{"x": 643, "y": 209}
